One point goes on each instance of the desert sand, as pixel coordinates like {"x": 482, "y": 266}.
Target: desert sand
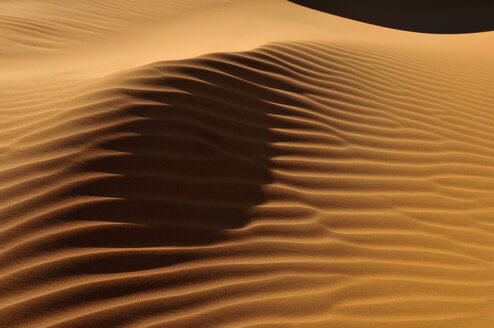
{"x": 216, "y": 163}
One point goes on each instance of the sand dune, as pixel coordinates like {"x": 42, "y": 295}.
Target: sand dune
{"x": 335, "y": 181}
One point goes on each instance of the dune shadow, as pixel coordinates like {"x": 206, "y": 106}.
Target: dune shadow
{"x": 439, "y": 16}
{"x": 190, "y": 161}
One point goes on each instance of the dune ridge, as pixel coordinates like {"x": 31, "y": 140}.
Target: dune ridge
{"x": 300, "y": 184}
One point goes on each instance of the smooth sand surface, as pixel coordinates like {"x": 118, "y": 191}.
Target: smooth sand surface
{"x": 241, "y": 164}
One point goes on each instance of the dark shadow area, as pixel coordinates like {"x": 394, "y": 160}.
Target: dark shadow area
{"x": 426, "y": 16}
{"x": 192, "y": 159}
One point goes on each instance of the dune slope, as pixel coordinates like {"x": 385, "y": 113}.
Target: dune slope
{"x": 300, "y": 184}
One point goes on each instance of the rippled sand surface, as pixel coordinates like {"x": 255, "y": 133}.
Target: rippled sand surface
{"x": 241, "y": 164}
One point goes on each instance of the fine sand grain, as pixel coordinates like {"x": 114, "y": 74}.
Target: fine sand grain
{"x": 241, "y": 164}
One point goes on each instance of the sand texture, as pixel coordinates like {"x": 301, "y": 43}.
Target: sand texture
{"x": 241, "y": 164}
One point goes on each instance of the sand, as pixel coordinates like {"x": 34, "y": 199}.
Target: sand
{"x": 241, "y": 164}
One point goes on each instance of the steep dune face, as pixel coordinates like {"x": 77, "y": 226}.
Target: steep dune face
{"x": 339, "y": 175}
{"x": 301, "y": 184}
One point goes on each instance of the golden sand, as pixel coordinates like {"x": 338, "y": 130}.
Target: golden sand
{"x": 241, "y": 164}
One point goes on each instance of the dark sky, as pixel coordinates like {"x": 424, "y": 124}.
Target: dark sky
{"x": 427, "y": 16}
